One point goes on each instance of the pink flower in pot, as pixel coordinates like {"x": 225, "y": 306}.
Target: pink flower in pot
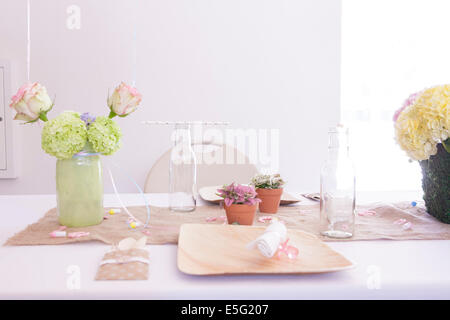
{"x": 240, "y": 203}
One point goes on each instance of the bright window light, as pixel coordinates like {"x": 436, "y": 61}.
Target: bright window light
{"x": 390, "y": 48}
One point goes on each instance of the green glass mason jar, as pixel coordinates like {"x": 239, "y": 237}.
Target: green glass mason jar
{"x": 79, "y": 187}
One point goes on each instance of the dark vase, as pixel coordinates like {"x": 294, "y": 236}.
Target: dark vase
{"x": 436, "y": 184}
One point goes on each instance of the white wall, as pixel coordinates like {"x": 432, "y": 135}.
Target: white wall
{"x": 258, "y": 64}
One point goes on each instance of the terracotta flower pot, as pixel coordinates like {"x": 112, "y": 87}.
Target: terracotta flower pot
{"x": 243, "y": 214}
{"x": 270, "y": 199}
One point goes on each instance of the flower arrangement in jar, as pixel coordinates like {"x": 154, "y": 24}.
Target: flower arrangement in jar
{"x": 422, "y": 127}
{"x": 77, "y": 141}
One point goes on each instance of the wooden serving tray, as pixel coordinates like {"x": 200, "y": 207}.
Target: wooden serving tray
{"x": 209, "y": 194}
{"x": 221, "y": 249}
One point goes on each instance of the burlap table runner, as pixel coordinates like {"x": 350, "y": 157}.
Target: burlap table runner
{"x": 164, "y": 225}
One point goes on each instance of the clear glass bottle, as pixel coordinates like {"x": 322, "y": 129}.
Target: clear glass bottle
{"x": 337, "y": 188}
{"x": 79, "y": 187}
{"x": 182, "y": 171}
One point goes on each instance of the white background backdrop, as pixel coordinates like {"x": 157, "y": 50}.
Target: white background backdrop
{"x": 259, "y": 64}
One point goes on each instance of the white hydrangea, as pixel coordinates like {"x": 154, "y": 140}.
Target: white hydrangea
{"x": 267, "y": 181}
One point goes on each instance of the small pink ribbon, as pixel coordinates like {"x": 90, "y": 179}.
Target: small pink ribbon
{"x": 60, "y": 233}
{"x": 57, "y": 234}
{"x": 367, "y": 213}
{"x": 400, "y": 221}
{"x": 78, "y": 234}
{"x": 406, "y": 225}
{"x": 264, "y": 219}
{"x": 290, "y": 251}
{"x": 212, "y": 219}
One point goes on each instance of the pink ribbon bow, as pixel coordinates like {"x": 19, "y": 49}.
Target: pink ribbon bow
{"x": 290, "y": 251}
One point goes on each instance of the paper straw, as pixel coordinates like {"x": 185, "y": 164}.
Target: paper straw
{"x": 205, "y": 123}
{"x": 28, "y": 39}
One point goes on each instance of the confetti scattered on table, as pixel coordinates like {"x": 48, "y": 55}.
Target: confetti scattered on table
{"x": 407, "y": 226}
{"x": 58, "y": 234}
{"x": 264, "y": 219}
{"x": 78, "y": 234}
{"x": 113, "y": 211}
{"x": 367, "y": 213}
{"x": 212, "y": 219}
{"x": 133, "y": 224}
{"x": 400, "y": 221}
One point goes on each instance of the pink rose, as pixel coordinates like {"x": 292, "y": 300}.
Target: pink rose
{"x": 411, "y": 99}
{"x": 31, "y": 102}
{"x": 124, "y": 100}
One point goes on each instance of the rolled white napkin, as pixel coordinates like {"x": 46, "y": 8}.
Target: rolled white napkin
{"x": 268, "y": 242}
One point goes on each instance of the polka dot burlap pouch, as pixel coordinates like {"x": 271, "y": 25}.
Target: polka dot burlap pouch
{"x": 124, "y": 263}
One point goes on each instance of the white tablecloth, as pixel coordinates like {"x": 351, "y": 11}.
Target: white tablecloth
{"x": 384, "y": 269}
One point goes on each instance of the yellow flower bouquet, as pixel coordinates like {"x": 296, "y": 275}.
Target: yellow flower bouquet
{"x": 422, "y": 130}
